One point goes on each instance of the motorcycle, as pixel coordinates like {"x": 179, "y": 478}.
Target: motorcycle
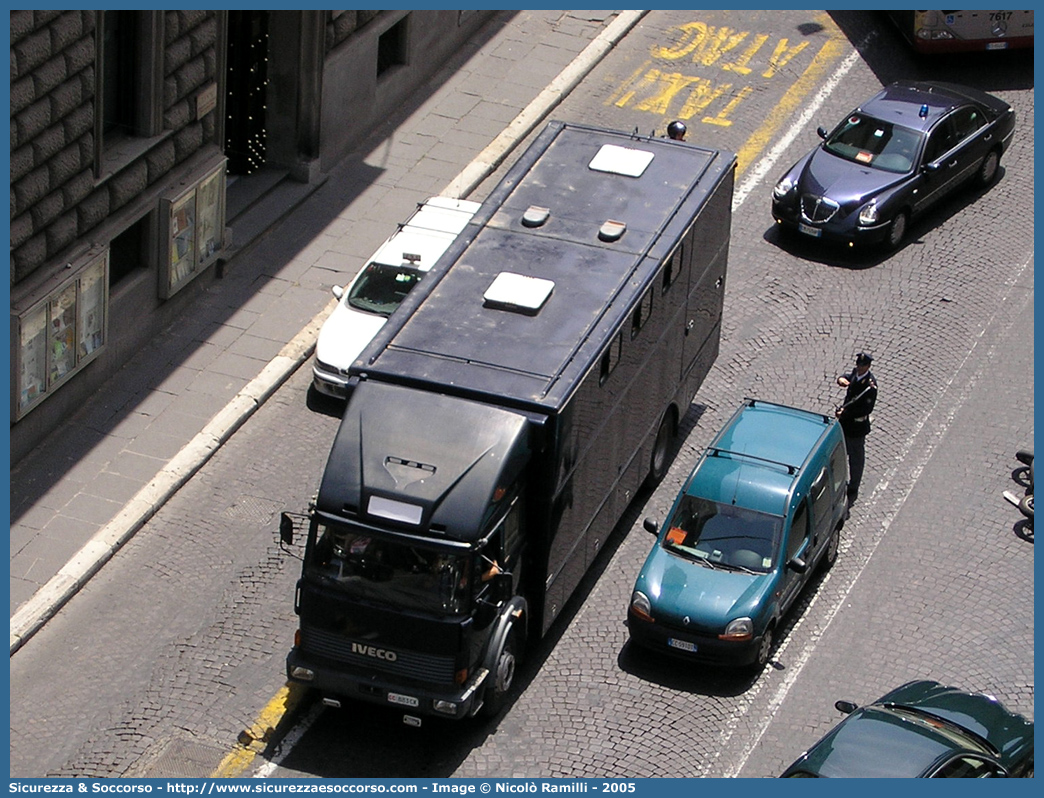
{"x": 1024, "y": 476}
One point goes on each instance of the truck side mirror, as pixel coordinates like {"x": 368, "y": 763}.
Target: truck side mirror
{"x": 651, "y": 525}
{"x": 501, "y": 588}
{"x": 286, "y": 529}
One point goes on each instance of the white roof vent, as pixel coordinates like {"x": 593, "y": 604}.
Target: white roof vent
{"x": 611, "y": 230}
{"x": 535, "y": 216}
{"x": 621, "y": 160}
{"x": 518, "y": 292}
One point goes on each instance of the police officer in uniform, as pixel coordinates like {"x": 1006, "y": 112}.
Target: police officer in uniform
{"x": 854, "y": 415}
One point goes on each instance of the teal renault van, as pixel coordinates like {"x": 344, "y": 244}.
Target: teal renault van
{"x": 762, "y": 508}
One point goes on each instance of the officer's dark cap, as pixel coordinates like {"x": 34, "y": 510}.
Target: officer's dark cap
{"x": 864, "y": 359}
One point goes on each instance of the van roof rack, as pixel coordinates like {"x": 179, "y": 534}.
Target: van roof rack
{"x": 714, "y": 451}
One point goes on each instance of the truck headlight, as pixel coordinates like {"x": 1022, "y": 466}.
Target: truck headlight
{"x": 783, "y": 188}
{"x": 443, "y": 706}
{"x": 641, "y": 606}
{"x": 304, "y": 674}
{"x": 868, "y": 215}
{"x": 739, "y": 630}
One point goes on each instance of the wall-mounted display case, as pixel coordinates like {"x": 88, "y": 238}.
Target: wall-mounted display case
{"x": 192, "y": 224}
{"x": 58, "y": 330}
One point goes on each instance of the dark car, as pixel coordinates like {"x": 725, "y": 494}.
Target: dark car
{"x": 891, "y": 158}
{"x": 923, "y": 729}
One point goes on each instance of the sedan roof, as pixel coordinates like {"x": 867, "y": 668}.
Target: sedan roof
{"x": 901, "y": 102}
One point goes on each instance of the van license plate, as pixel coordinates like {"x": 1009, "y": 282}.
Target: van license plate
{"x": 404, "y": 700}
{"x": 808, "y": 230}
{"x": 684, "y": 645}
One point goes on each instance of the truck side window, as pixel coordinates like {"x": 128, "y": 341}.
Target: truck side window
{"x": 641, "y": 313}
{"x": 610, "y": 358}
{"x": 673, "y": 266}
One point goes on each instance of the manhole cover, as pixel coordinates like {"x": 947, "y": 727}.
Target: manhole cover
{"x": 184, "y": 759}
{"x": 252, "y": 510}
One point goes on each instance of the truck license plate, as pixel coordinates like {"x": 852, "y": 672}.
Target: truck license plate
{"x": 808, "y": 230}
{"x": 684, "y": 645}
{"x": 404, "y": 700}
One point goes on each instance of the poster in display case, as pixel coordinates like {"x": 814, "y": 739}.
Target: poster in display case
{"x": 58, "y": 331}
{"x": 193, "y": 220}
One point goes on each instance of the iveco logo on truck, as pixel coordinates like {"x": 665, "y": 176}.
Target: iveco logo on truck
{"x": 376, "y": 653}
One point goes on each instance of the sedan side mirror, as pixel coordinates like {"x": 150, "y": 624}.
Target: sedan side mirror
{"x": 822, "y": 132}
{"x": 651, "y": 525}
{"x": 337, "y": 291}
{"x": 847, "y": 707}
{"x": 932, "y": 167}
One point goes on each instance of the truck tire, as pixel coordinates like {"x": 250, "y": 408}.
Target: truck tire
{"x": 502, "y": 675}
{"x": 661, "y": 452}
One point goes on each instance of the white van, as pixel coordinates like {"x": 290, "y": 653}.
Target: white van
{"x": 367, "y": 301}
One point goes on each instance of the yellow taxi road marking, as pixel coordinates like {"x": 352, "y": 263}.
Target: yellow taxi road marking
{"x": 252, "y": 741}
{"x": 687, "y": 96}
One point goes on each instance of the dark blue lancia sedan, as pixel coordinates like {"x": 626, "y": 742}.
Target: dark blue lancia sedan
{"x": 890, "y": 159}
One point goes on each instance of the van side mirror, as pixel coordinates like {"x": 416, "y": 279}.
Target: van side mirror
{"x": 651, "y": 525}
{"x": 286, "y": 529}
{"x": 798, "y": 565}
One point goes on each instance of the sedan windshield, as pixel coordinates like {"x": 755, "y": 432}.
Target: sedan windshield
{"x": 381, "y": 288}
{"x": 388, "y": 572}
{"x": 723, "y": 534}
{"x": 880, "y": 145}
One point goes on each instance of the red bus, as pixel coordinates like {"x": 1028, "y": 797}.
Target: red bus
{"x": 964, "y": 31}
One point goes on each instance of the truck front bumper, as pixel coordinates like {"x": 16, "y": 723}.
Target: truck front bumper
{"x": 338, "y": 680}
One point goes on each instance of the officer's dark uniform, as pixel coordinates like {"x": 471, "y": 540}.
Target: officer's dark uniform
{"x": 854, "y": 415}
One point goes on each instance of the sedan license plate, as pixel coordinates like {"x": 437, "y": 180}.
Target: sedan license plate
{"x": 404, "y": 700}
{"x": 684, "y": 645}
{"x": 808, "y": 230}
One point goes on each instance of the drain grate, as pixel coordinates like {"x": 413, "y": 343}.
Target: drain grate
{"x": 183, "y": 759}
{"x": 252, "y": 510}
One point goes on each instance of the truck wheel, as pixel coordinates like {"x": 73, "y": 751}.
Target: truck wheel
{"x": 661, "y": 450}
{"x": 503, "y": 676}
{"x": 1026, "y": 506}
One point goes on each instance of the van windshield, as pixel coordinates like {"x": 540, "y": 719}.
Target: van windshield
{"x": 381, "y": 288}
{"x": 388, "y": 572}
{"x": 723, "y": 534}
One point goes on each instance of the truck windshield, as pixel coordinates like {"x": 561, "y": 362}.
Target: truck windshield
{"x": 381, "y": 288}
{"x": 389, "y": 573}
{"x": 706, "y": 531}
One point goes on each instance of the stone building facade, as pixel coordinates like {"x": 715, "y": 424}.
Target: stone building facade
{"x": 128, "y": 127}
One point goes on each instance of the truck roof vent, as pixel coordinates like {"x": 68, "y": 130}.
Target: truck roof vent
{"x": 535, "y": 216}
{"x": 611, "y": 230}
{"x": 517, "y": 292}
{"x": 618, "y": 160}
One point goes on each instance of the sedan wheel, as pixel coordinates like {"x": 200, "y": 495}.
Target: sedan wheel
{"x": 897, "y": 230}
{"x": 988, "y": 169}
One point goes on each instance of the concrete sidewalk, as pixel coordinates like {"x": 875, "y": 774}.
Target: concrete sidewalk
{"x": 95, "y": 481}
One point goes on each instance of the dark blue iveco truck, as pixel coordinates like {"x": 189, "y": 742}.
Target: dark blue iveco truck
{"x": 504, "y": 417}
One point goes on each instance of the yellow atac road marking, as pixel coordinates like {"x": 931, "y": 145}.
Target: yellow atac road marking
{"x": 739, "y": 54}
{"x": 254, "y": 740}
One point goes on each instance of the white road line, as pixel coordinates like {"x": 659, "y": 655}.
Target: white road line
{"x": 768, "y": 161}
{"x": 292, "y": 738}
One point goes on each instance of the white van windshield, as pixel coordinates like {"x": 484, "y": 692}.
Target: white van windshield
{"x": 723, "y": 534}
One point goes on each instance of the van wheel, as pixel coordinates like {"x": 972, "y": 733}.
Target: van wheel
{"x": 765, "y": 648}
{"x": 503, "y": 676}
{"x": 830, "y": 555}
{"x": 661, "y": 449}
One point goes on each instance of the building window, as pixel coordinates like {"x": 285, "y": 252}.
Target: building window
{"x": 391, "y": 47}
{"x": 127, "y": 97}
{"x": 128, "y": 252}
